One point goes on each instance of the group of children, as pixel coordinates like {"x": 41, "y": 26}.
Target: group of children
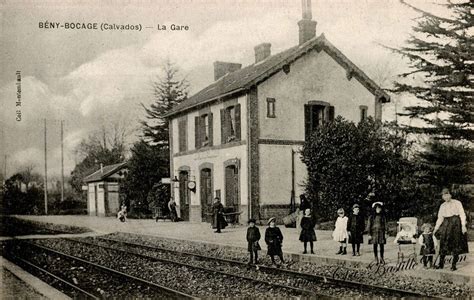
{"x": 348, "y": 229}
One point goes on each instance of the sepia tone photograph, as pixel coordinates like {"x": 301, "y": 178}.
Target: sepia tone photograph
{"x": 248, "y": 149}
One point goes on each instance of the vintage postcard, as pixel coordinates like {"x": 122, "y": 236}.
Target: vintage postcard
{"x": 236, "y": 149}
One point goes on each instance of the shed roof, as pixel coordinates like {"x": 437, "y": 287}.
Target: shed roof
{"x": 241, "y": 80}
{"x": 106, "y": 172}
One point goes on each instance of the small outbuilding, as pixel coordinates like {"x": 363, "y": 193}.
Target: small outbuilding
{"x": 103, "y": 187}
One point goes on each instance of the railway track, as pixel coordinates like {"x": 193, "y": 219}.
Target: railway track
{"x": 64, "y": 285}
{"x": 214, "y": 272}
{"x": 212, "y": 263}
{"x": 112, "y": 283}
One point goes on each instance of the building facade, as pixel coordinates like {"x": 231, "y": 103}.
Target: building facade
{"x": 238, "y": 138}
{"x": 103, "y": 187}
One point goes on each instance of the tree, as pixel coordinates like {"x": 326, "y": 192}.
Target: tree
{"x": 28, "y": 176}
{"x": 440, "y": 53}
{"x": 447, "y": 163}
{"x": 168, "y": 91}
{"x": 346, "y": 162}
{"x": 18, "y": 201}
{"x": 146, "y": 167}
{"x": 105, "y": 146}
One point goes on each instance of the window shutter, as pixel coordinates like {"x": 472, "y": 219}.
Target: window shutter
{"x": 307, "y": 121}
{"x": 181, "y": 136}
{"x": 211, "y": 128}
{"x": 237, "y": 122}
{"x": 197, "y": 133}
{"x": 331, "y": 113}
{"x": 223, "y": 127}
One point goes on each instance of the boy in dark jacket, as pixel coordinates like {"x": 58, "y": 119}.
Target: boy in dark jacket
{"x": 253, "y": 236}
{"x": 274, "y": 240}
{"x": 355, "y": 229}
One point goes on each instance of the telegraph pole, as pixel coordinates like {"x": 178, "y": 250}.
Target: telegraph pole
{"x": 45, "y": 172}
{"x": 62, "y": 161}
{"x": 5, "y": 169}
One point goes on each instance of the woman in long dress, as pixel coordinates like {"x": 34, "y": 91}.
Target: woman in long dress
{"x": 451, "y": 230}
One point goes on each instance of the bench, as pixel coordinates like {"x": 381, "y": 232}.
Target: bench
{"x": 232, "y": 218}
{"x": 159, "y": 214}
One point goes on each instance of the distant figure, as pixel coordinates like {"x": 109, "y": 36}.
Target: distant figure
{"x": 428, "y": 245}
{"x": 340, "y": 231}
{"x": 450, "y": 229}
{"x": 172, "y": 210}
{"x": 304, "y": 205}
{"x": 122, "y": 214}
{"x": 274, "y": 240}
{"x": 355, "y": 229}
{"x": 307, "y": 231}
{"x": 376, "y": 229}
{"x": 253, "y": 236}
{"x": 218, "y": 220}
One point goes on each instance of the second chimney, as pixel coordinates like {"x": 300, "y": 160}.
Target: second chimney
{"x": 307, "y": 27}
{"x": 222, "y": 68}
{"x": 262, "y": 51}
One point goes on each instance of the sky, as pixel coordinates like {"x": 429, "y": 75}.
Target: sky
{"x": 93, "y": 79}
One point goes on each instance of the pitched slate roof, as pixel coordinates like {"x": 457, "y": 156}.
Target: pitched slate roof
{"x": 243, "y": 79}
{"x": 106, "y": 172}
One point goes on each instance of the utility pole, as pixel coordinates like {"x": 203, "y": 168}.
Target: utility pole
{"x": 5, "y": 169}
{"x": 292, "y": 200}
{"x": 62, "y": 161}
{"x": 45, "y": 172}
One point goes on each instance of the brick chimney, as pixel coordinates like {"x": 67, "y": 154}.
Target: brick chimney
{"x": 307, "y": 25}
{"x": 262, "y": 51}
{"x": 222, "y": 68}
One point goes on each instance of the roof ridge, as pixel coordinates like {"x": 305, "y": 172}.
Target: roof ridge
{"x": 240, "y": 80}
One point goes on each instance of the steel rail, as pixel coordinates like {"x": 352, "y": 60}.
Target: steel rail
{"x": 179, "y": 294}
{"x": 75, "y": 287}
{"x": 303, "y": 292}
{"x": 268, "y": 269}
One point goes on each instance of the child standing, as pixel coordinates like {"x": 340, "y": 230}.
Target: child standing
{"x": 355, "y": 229}
{"x": 307, "y": 231}
{"x": 274, "y": 240}
{"x": 376, "y": 229}
{"x": 340, "y": 232}
{"x": 428, "y": 244}
{"x": 253, "y": 236}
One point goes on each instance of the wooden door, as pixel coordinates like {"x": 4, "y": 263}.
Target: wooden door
{"x": 232, "y": 192}
{"x": 206, "y": 194}
{"x": 184, "y": 195}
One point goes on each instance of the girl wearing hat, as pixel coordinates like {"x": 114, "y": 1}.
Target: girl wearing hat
{"x": 450, "y": 229}
{"x": 274, "y": 240}
{"x": 355, "y": 229}
{"x": 376, "y": 228}
{"x": 253, "y": 236}
{"x": 307, "y": 231}
{"x": 340, "y": 232}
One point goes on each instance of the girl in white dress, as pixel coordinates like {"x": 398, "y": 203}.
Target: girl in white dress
{"x": 340, "y": 232}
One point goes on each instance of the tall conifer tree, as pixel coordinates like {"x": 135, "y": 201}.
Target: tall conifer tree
{"x": 441, "y": 53}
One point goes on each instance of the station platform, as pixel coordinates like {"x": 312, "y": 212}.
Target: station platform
{"x": 325, "y": 247}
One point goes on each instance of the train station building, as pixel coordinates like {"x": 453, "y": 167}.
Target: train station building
{"x": 239, "y": 137}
